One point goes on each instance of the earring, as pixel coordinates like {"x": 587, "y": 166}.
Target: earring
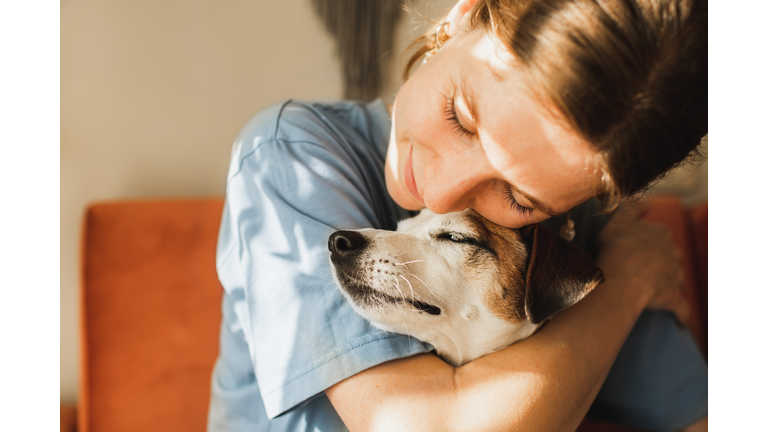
{"x": 438, "y": 43}
{"x": 567, "y": 231}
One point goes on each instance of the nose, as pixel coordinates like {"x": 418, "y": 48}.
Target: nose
{"x": 346, "y": 244}
{"x": 454, "y": 187}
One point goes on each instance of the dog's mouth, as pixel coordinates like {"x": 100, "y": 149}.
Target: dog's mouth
{"x": 425, "y": 307}
{"x": 365, "y": 295}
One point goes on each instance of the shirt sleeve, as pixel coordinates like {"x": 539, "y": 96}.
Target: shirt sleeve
{"x": 293, "y": 180}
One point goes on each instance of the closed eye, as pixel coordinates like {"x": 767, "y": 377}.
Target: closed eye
{"x": 463, "y": 239}
{"x": 522, "y": 211}
{"x": 452, "y": 117}
{"x": 455, "y": 237}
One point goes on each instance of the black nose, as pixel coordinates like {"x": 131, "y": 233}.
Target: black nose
{"x": 346, "y": 243}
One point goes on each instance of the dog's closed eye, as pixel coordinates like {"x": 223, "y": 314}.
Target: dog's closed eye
{"x": 457, "y": 237}
{"x": 454, "y": 237}
{"x": 464, "y": 239}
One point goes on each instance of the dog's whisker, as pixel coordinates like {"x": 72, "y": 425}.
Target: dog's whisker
{"x": 427, "y": 286}
{"x": 408, "y": 262}
{"x": 407, "y": 333}
{"x": 409, "y": 284}
{"x": 397, "y": 285}
{"x": 329, "y": 287}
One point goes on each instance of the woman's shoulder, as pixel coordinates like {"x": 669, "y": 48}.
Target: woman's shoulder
{"x": 316, "y": 157}
{"x": 324, "y": 124}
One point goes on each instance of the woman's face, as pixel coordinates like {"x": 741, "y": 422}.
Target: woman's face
{"x": 466, "y": 134}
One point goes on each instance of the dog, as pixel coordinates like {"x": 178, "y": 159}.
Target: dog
{"x": 459, "y": 282}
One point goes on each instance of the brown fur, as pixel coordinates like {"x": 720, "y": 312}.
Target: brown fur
{"x": 507, "y": 300}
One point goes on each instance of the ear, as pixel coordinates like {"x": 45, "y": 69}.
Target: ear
{"x": 457, "y": 14}
{"x": 559, "y": 274}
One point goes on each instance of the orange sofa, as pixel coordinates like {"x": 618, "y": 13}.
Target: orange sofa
{"x": 150, "y": 310}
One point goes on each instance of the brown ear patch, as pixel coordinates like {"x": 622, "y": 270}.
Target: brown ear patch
{"x": 559, "y": 274}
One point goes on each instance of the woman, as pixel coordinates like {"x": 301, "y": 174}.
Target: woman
{"x": 522, "y": 111}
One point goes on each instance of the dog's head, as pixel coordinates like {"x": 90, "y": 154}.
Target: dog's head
{"x": 459, "y": 282}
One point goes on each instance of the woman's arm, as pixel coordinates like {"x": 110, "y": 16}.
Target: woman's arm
{"x": 544, "y": 383}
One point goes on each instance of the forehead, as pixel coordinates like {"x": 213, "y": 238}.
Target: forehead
{"x": 526, "y": 141}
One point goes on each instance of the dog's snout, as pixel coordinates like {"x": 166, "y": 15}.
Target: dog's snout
{"x": 346, "y": 242}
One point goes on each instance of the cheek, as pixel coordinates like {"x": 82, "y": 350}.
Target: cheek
{"x": 420, "y": 114}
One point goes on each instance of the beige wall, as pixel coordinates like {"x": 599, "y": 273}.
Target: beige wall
{"x": 154, "y": 92}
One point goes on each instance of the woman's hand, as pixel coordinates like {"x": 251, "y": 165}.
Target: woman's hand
{"x": 641, "y": 255}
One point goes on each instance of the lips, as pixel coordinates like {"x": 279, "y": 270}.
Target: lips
{"x": 410, "y": 181}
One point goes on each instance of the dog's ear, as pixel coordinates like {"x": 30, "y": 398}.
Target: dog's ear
{"x": 558, "y": 275}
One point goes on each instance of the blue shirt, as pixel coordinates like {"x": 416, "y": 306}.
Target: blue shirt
{"x": 298, "y": 172}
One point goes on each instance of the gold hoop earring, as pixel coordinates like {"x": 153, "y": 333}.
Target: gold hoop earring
{"x": 438, "y": 43}
{"x": 567, "y": 231}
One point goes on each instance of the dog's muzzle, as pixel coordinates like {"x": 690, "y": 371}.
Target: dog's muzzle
{"x": 346, "y": 248}
{"x": 346, "y": 245}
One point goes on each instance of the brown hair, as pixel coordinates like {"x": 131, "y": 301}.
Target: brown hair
{"x": 630, "y": 76}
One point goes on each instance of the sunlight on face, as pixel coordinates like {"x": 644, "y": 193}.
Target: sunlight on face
{"x": 467, "y": 133}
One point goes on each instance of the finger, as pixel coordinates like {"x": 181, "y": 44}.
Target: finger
{"x": 636, "y": 208}
{"x": 627, "y": 213}
{"x": 642, "y": 208}
{"x": 620, "y": 220}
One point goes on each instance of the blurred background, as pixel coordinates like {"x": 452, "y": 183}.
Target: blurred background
{"x": 153, "y": 93}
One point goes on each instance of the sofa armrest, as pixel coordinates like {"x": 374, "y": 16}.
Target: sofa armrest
{"x": 150, "y": 314}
